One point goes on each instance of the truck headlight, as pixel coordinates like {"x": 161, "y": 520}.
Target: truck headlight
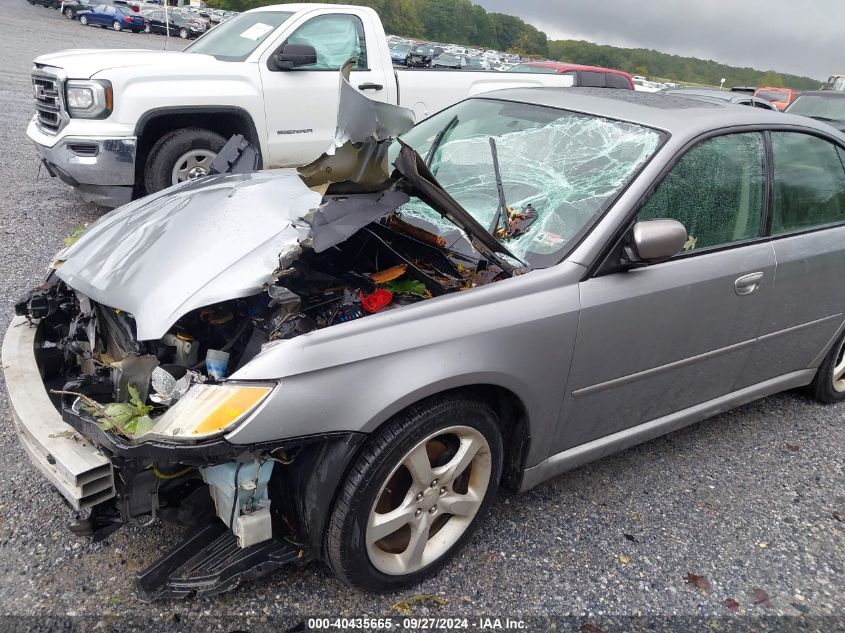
{"x": 89, "y": 99}
{"x": 208, "y": 410}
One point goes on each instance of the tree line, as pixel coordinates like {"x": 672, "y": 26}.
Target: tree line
{"x": 465, "y": 23}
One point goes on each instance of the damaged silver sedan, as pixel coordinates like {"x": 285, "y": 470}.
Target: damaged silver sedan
{"x": 346, "y": 361}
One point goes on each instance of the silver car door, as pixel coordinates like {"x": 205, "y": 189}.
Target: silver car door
{"x": 659, "y": 339}
{"x": 808, "y": 230}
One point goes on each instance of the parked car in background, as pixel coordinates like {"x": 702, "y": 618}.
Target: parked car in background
{"x": 644, "y": 85}
{"x": 116, "y": 18}
{"x": 399, "y": 53}
{"x": 421, "y": 56}
{"x": 780, "y": 98}
{"x": 721, "y": 96}
{"x": 179, "y": 24}
{"x": 822, "y": 105}
{"x": 836, "y": 82}
{"x": 583, "y": 76}
{"x": 71, "y": 7}
{"x": 449, "y": 60}
{"x": 51, "y": 4}
{"x": 477, "y": 63}
{"x": 169, "y": 113}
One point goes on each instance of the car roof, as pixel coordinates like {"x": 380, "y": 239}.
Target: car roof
{"x": 565, "y": 67}
{"x": 833, "y": 94}
{"x": 676, "y": 114}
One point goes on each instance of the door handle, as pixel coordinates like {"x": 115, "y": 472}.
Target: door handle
{"x": 369, "y": 86}
{"x": 747, "y": 284}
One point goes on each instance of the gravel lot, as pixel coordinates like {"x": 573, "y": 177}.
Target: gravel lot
{"x": 754, "y": 500}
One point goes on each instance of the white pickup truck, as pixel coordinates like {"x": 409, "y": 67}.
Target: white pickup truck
{"x": 118, "y": 124}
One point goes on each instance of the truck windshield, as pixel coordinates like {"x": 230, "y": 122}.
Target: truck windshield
{"x": 235, "y": 39}
{"x": 566, "y": 166}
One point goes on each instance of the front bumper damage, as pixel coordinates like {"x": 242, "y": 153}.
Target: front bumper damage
{"x": 114, "y": 481}
{"x": 102, "y": 169}
{"x": 75, "y": 466}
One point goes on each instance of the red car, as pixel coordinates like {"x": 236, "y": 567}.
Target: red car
{"x": 592, "y": 76}
{"x": 780, "y": 98}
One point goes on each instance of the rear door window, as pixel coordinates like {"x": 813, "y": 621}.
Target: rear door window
{"x": 809, "y": 182}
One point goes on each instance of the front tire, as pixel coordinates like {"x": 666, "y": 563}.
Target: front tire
{"x": 183, "y": 33}
{"x": 83, "y": 20}
{"x": 829, "y": 384}
{"x": 69, "y": 13}
{"x": 180, "y": 155}
{"x": 147, "y": 28}
{"x": 415, "y": 495}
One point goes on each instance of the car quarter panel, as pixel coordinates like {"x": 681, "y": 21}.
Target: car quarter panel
{"x": 517, "y": 334}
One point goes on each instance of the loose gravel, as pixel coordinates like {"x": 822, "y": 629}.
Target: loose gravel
{"x": 753, "y": 501}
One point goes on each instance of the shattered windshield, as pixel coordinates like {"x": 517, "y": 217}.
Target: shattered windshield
{"x": 563, "y": 166}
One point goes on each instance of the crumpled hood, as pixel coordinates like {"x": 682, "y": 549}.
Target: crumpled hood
{"x": 190, "y": 246}
{"x": 84, "y": 63}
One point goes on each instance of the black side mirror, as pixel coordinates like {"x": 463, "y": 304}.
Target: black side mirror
{"x": 294, "y": 55}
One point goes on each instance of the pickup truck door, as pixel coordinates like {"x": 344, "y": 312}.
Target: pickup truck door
{"x": 301, "y": 104}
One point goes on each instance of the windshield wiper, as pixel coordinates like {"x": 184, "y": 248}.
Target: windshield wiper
{"x": 502, "y": 210}
{"x": 438, "y": 139}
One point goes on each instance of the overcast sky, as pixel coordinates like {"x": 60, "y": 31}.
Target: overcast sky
{"x": 803, "y": 37}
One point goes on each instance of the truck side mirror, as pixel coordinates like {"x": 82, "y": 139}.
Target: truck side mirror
{"x": 293, "y": 55}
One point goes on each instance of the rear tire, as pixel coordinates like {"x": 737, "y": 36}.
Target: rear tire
{"x": 69, "y": 13}
{"x": 167, "y": 151}
{"x": 147, "y": 28}
{"x": 117, "y": 26}
{"x": 829, "y": 384}
{"x": 432, "y": 520}
{"x": 183, "y": 33}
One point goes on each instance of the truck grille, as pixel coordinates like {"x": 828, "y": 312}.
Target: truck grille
{"x": 47, "y": 91}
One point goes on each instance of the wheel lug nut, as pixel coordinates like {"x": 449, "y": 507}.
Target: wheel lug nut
{"x": 418, "y": 513}
{"x": 443, "y": 491}
{"x": 434, "y": 484}
{"x": 419, "y": 496}
{"x": 432, "y": 510}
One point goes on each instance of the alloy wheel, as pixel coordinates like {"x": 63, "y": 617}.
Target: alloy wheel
{"x": 192, "y": 164}
{"x": 69, "y": 13}
{"x": 83, "y": 20}
{"x": 116, "y": 26}
{"x": 839, "y": 371}
{"x": 429, "y": 500}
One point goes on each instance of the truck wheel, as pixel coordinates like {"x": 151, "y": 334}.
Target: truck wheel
{"x": 181, "y": 155}
{"x": 416, "y": 493}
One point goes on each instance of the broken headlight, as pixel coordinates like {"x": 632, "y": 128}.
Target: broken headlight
{"x": 208, "y": 410}
{"x": 89, "y": 99}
